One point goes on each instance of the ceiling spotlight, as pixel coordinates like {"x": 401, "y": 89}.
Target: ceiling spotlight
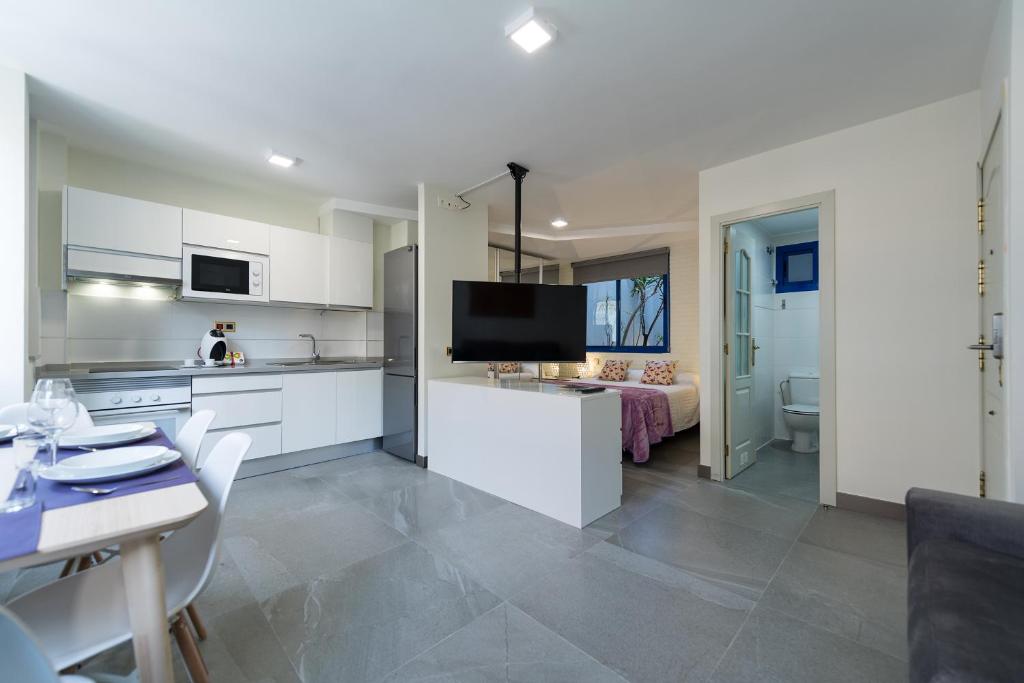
{"x": 559, "y": 223}
{"x": 530, "y": 32}
{"x": 282, "y": 160}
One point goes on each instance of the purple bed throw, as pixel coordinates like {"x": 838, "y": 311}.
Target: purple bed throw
{"x": 646, "y": 419}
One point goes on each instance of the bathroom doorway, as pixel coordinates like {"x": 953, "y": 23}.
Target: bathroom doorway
{"x": 775, "y": 420}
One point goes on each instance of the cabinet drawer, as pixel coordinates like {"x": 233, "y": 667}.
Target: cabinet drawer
{"x": 266, "y": 440}
{"x": 216, "y": 385}
{"x": 239, "y": 410}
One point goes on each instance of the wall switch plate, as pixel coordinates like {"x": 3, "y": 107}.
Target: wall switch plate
{"x": 451, "y": 203}
{"x": 225, "y": 326}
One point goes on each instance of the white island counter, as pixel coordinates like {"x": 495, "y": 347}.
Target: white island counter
{"x": 547, "y": 448}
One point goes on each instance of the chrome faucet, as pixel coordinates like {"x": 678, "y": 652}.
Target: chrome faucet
{"x": 316, "y": 353}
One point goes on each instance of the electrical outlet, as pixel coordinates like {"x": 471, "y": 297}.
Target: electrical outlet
{"x": 225, "y": 326}
{"x": 451, "y": 203}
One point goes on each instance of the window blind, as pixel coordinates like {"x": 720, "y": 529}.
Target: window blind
{"x": 640, "y": 264}
{"x": 530, "y": 275}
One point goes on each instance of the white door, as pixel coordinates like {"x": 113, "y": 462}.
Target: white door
{"x": 991, "y": 283}
{"x": 739, "y": 412}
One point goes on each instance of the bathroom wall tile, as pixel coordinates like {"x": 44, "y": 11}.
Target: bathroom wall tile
{"x": 799, "y": 300}
{"x": 794, "y": 323}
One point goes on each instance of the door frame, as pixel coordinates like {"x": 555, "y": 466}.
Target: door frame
{"x": 825, "y": 202}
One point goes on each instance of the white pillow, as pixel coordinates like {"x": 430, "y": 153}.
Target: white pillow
{"x": 634, "y": 375}
{"x": 687, "y": 378}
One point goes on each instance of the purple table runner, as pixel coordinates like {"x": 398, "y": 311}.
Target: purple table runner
{"x": 19, "y": 531}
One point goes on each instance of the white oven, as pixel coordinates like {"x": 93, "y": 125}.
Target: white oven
{"x": 225, "y": 275}
{"x": 163, "y": 400}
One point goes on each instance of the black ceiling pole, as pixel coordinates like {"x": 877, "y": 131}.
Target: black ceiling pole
{"x": 518, "y": 174}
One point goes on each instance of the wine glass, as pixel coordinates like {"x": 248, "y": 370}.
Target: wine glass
{"x": 53, "y": 408}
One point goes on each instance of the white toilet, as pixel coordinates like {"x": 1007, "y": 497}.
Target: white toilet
{"x": 801, "y": 413}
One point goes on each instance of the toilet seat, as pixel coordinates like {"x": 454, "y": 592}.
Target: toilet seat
{"x": 800, "y": 409}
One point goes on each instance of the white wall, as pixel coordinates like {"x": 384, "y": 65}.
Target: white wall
{"x": 684, "y": 337}
{"x": 1015, "y": 221}
{"x": 905, "y": 302}
{"x": 452, "y": 246}
{"x": 14, "y": 235}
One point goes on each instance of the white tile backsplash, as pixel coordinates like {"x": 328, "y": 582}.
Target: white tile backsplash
{"x": 374, "y": 326}
{"x": 80, "y": 328}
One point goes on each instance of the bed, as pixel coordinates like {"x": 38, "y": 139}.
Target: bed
{"x": 683, "y": 396}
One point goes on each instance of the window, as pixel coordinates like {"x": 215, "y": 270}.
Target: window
{"x": 796, "y": 267}
{"x": 628, "y": 315}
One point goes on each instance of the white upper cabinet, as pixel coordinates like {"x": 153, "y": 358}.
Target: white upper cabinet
{"x": 225, "y": 232}
{"x": 104, "y": 221}
{"x": 351, "y": 273}
{"x": 298, "y": 266}
{"x": 360, "y": 405}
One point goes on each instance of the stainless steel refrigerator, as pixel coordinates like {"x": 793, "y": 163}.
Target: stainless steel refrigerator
{"x": 399, "y": 298}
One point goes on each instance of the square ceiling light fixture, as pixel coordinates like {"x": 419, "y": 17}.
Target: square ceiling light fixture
{"x": 282, "y": 160}
{"x": 530, "y": 32}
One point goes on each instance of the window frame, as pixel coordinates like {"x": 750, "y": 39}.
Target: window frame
{"x": 662, "y": 348}
{"x": 782, "y": 252}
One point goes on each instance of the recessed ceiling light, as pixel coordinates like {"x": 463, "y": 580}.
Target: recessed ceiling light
{"x": 530, "y": 32}
{"x": 282, "y": 160}
{"x": 559, "y": 223}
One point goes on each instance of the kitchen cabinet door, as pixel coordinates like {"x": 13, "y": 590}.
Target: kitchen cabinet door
{"x": 308, "y": 411}
{"x": 351, "y": 273}
{"x": 224, "y": 232}
{"x": 360, "y": 396}
{"x": 106, "y": 221}
{"x": 298, "y": 266}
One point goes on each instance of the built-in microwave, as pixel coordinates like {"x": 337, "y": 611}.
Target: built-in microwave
{"x": 222, "y": 274}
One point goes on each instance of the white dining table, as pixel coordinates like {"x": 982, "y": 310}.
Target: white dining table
{"x": 135, "y": 522}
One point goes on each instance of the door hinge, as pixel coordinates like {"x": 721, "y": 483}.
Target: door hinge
{"x": 726, "y": 451}
{"x": 726, "y": 246}
{"x": 981, "y": 353}
{"x": 981, "y": 277}
{"x": 725, "y": 348}
{"x": 981, "y": 216}
{"x": 981, "y": 484}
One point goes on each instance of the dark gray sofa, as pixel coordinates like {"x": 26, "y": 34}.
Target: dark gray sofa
{"x": 965, "y": 589}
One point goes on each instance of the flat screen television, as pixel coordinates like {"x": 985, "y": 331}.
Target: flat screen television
{"x": 495, "y": 321}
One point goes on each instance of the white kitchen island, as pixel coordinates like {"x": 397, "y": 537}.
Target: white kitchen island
{"x": 541, "y": 446}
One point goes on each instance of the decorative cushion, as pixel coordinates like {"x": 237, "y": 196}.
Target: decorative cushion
{"x": 659, "y": 372}
{"x": 614, "y": 370}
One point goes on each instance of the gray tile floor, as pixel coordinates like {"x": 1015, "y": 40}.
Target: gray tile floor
{"x": 779, "y": 470}
{"x": 369, "y": 569}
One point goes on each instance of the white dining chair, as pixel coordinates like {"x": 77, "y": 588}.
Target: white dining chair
{"x": 84, "y": 614}
{"x": 17, "y": 414}
{"x": 190, "y": 438}
{"x": 23, "y": 659}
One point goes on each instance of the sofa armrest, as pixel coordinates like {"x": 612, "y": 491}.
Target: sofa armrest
{"x": 991, "y": 524}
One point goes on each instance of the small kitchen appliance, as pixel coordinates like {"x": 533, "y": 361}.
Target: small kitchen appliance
{"x": 213, "y": 346}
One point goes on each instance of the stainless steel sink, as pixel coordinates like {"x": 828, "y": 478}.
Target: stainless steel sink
{"x": 312, "y": 363}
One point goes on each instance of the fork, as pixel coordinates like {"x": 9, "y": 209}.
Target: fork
{"x": 110, "y": 489}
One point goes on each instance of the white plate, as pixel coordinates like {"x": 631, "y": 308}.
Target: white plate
{"x": 111, "y": 461}
{"x": 94, "y": 477}
{"x": 107, "y": 435}
{"x": 8, "y": 432}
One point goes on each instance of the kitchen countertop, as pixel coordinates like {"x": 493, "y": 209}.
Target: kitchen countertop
{"x": 175, "y": 368}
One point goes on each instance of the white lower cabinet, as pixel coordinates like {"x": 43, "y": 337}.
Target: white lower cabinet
{"x": 291, "y": 412}
{"x": 359, "y": 409}
{"x": 308, "y": 410}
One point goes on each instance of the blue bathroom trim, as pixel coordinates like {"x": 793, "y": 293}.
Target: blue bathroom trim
{"x": 785, "y": 251}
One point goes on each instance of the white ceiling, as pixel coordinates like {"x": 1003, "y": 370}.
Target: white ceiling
{"x": 786, "y": 223}
{"x": 614, "y": 118}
